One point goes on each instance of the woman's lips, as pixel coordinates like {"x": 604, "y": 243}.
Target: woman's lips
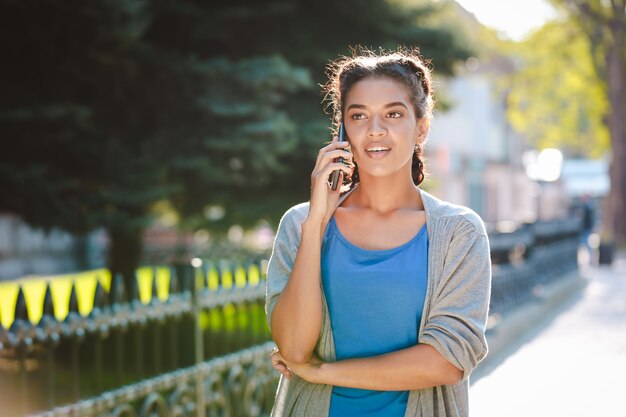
{"x": 378, "y": 154}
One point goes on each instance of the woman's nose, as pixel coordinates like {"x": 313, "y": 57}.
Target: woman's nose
{"x": 376, "y": 128}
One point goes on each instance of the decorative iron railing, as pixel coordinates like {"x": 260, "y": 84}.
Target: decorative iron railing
{"x": 530, "y": 257}
{"x": 240, "y": 384}
{"x": 201, "y": 348}
{"x": 121, "y": 342}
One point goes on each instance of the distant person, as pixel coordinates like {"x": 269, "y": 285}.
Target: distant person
{"x": 587, "y": 217}
{"x": 377, "y": 292}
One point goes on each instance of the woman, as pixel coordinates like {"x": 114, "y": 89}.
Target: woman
{"x": 378, "y": 292}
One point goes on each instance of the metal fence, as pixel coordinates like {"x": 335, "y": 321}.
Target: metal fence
{"x": 240, "y": 384}
{"x": 529, "y": 258}
{"x": 122, "y": 342}
{"x": 203, "y": 350}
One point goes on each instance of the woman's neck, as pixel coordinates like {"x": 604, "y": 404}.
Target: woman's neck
{"x": 383, "y": 197}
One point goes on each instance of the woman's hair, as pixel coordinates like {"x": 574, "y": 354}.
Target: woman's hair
{"x": 403, "y": 65}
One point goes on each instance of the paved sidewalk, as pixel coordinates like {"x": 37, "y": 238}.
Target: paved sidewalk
{"x": 571, "y": 363}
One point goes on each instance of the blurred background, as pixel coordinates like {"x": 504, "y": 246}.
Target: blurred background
{"x": 148, "y": 149}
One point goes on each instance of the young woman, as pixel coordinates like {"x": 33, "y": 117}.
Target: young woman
{"x": 378, "y": 292}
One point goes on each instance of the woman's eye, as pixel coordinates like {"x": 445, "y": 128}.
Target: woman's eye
{"x": 394, "y": 114}
{"x": 358, "y": 116}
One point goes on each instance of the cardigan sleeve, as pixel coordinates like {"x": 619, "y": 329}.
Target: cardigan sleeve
{"x": 457, "y": 318}
{"x": 281, "y": 260}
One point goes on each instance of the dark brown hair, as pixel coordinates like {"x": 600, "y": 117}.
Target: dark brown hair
{"x": 403, "y": 65}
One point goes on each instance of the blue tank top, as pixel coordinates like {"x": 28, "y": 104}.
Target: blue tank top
{"x": 375, "y": 299}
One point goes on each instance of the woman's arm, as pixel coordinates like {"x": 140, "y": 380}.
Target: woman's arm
{"x": 457, "y": 318}
{"x": 296, "y": 319}
{"x": 417, "y": 367}
{"x": 293, "y": 302}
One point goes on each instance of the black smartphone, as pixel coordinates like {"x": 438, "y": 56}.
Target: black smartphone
{"x": 335, "y": 174}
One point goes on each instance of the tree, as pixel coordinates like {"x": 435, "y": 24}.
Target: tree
{"x": 555, "y": 97}
{"x": 99, "y": 123}
{"x": 307, "y": 34}
{"x": 604, "y": 24}
{"x": 111, "y": 108}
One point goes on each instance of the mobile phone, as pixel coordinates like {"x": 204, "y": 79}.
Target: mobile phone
{"x": 335, "y": 174}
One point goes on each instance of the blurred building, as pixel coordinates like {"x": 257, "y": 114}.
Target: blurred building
{"x": 586, "y": 177}
{"x": 475, "y": 156}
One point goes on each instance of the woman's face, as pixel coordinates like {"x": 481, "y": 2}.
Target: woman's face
{"x": 379, "y": 113}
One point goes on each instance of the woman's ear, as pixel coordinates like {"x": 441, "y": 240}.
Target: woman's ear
{"x": 423, "y": 125}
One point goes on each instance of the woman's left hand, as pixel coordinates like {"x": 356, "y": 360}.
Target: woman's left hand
{"x": 309, "y": 371}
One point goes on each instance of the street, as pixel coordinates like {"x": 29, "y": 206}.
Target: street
{"x": 572, "y": 363}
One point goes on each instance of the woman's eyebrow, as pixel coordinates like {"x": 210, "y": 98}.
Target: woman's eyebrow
{"x": 361, "y": 106}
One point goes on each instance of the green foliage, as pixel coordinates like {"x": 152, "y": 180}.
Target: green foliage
{"x": 555, "y": 97}
{"x": 308, "y": 34}
{"x": 119, "y": 122}
{"x": 603, "y": 23}
{"x": 594, "y": 19}
{"x": 113, "y": 108}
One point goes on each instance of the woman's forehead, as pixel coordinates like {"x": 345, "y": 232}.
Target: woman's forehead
{"x": 372, "y": 91}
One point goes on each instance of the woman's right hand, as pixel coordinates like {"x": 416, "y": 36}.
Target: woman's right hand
{"x": 323, "y": 198}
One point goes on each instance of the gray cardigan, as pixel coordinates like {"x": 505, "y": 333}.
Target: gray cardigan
{"x": 453, "y": 320}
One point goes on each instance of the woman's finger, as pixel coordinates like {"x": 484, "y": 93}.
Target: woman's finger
{"x": 336, "y": 153}
{"x": 279, "y": 364}
{"x": 328, "y": 169}
{"x": 332, "y": 146}
{"x": 278, "y": 360}
{"x": 283, "y": 370}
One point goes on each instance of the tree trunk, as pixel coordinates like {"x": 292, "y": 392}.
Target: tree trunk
{"x": 124, "y": 255}
{"x": 615, "y": 60}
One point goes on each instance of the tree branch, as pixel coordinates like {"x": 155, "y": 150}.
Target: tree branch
{"x": 618, "y": 19}
{"x": 619, "y": 8}
{"x": 584, "y": 7}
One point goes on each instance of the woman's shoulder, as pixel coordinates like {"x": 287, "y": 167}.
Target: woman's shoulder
{"x": 297, "y": 212}
{"x": 291, "y": 221}
{"x": 444, "y": 209}
{"x": 467, "y": 216}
